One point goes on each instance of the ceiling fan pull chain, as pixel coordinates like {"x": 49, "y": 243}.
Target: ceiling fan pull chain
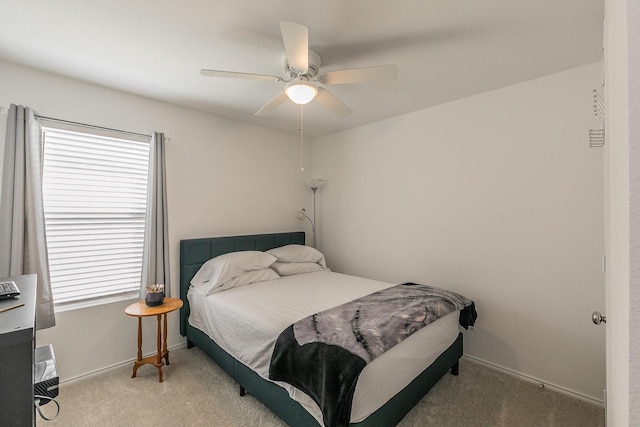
{"x": 301, "y": 139}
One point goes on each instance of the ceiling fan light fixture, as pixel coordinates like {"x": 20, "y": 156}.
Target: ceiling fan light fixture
{"x": 301, "y": 92}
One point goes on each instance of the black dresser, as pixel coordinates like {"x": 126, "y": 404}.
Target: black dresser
{"x": 17, "y": 343}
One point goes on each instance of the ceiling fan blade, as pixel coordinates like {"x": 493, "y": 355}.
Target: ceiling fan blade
{"x": 234, "y": 75}
{"x": 296, "y": 45}
{"x": 358, "y": 75}
{"x": 333, "y": 104}
{"x": 271, "y": 106}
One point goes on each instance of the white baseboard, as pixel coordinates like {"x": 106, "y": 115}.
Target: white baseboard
{"x": 474, "y": 359}
{"x": 116, "y": 365}
{"x": 537, "y": 381}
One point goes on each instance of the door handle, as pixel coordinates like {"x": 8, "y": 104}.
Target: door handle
{"x": 598, "y": 318}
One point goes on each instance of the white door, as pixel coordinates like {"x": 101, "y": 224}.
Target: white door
{"x": 622, "y": 171}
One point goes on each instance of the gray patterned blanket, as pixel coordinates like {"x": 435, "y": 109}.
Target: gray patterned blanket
{"x": 324, "y": 353}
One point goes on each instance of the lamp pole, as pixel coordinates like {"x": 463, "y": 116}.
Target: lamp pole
{"x": 314, "y": 189}
{"x": 313, "y": 184}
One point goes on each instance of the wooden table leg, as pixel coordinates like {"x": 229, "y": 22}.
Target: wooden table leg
{"x": 137, "y": 365}
{"x": 159, "y": 355}
{"x": 165, "y": 352}
{"x": 154, "y": 360}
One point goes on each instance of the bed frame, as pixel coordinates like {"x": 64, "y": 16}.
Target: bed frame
{"x": 195, "y": 252}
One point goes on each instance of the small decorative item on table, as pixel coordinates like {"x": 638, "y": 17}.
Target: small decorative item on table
{"x": 155, "y": 294}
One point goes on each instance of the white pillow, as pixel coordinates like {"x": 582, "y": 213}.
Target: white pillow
{"x": 247, "y": 278}
{"x": 225, "y": 267}
{"x": 290, "y": 268}
{"x": 298, "y": 253}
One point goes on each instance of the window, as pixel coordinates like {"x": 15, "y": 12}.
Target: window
{"x": 95, "y": 196}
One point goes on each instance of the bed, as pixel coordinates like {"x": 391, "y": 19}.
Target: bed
{"x": 288, "y": 403}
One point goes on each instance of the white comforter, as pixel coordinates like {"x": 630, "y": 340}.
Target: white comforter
{"x": 246, "y": 321}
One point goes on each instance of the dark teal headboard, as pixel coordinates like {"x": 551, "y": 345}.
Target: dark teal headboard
{"x": 195, "y": 252}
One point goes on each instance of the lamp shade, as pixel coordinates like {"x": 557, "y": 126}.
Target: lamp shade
{"x": 314, "y": 182}
{"x": 301, "y": 92}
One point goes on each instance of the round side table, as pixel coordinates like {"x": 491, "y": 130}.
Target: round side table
{"x": 140, "y": 309}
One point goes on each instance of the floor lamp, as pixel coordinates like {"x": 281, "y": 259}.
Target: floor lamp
{"x": 313, "y": 184}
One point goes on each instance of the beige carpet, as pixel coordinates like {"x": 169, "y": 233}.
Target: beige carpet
{"x": 196, "y": 392}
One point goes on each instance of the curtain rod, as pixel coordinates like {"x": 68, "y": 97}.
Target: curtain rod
{"x": 92, "y": 126}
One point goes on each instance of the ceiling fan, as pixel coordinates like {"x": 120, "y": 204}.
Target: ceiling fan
{"x": 301, "y": 69}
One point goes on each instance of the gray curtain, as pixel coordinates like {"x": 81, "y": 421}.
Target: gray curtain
{"x": 23, "y": 245}
{"x": 155, "y": 261}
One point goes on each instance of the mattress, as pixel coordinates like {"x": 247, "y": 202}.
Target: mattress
{"x": 246, "y": 321}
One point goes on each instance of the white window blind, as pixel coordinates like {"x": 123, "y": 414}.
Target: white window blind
{"x": 95, "y": 194}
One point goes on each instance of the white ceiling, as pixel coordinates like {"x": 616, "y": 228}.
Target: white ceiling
{"x": 444, "y": 49}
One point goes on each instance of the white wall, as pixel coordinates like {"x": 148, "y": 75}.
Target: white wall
{"x": 223, "y": 178}
{"x": 497, "y": 196}
{"x": 3, "y": 129}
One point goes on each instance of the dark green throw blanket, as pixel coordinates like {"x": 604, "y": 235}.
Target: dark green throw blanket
{"x": 324, "y": 353}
